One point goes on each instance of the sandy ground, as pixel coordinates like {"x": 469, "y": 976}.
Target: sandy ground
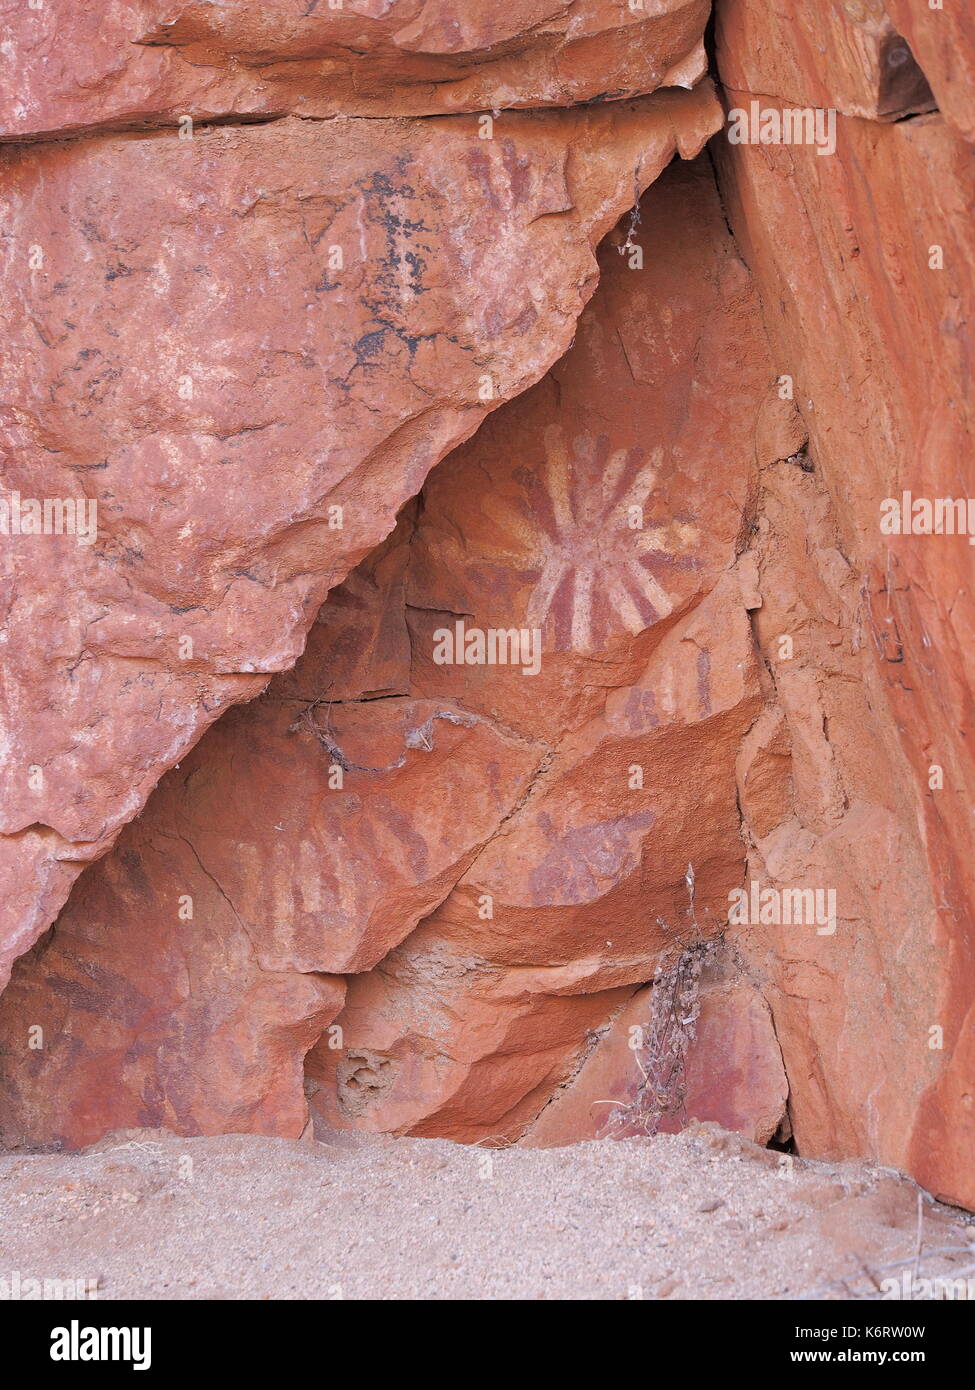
{"x": 701, "y": 1215}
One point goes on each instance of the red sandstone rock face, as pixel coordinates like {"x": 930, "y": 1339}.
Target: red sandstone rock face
{"x": 942, "y": 40}
{"x": 333, "y": 821}
{"x": 73, "y": 65}
{"x": 884, "y": 312}
{"x": 642, "y": 1078}
{"x": 287, "y": 876}
{"x": 164, "y": 355}
{"x": 825, "y": 804}
{"x": 444, "y": 1044}
{"x": 848, "y": 56}
{"x": 149, "y": 1007}
{"x": 463, "y": 1032}
{"x": 435, "y": 897}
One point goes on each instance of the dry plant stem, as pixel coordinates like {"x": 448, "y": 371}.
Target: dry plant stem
{"x": 674, "y": 1009}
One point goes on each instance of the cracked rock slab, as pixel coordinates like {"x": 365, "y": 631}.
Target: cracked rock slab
{"x": 878, "y": 692}
{"x": 75, "y": 65}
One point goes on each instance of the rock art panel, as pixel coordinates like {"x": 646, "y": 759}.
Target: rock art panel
{"x": 587, "y": 884}
{"x": 164, "y": 355}
{"x": 588, "y": 511}
{"x": 339, "y": 811}
{"x": 148, "y": 1008}
{"x": 615, "y": 770}
{"x": 73, "y": 65}
{"x": 296, "y": 841}
{"x": 648, "y": 680}
{"x": 592, "y": 872}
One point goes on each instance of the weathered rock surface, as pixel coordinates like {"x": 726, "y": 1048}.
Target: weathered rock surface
{"x": 625, "y": 777}
{"x": 437, "y": 1042}
{"x": 608, "y": 862}
{"x": 649, "y": 1075}
{"x": 373, "y": 787}
{"x": 848, "y": 56}
{"x": 827, "y": 807}
{"x": 220, "y": 913}
{"x": 875, "y": 1021}
{"x": 942, "y": 39}
{"x": 149, "y": 1007}
{"x": 73, "y": 65}
{"x": 163, "y": 358}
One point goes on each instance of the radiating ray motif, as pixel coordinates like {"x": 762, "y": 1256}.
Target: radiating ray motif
{"x": 602, "y": 574}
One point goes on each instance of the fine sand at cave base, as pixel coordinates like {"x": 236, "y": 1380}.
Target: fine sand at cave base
{"x": 700, "y": 1215}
